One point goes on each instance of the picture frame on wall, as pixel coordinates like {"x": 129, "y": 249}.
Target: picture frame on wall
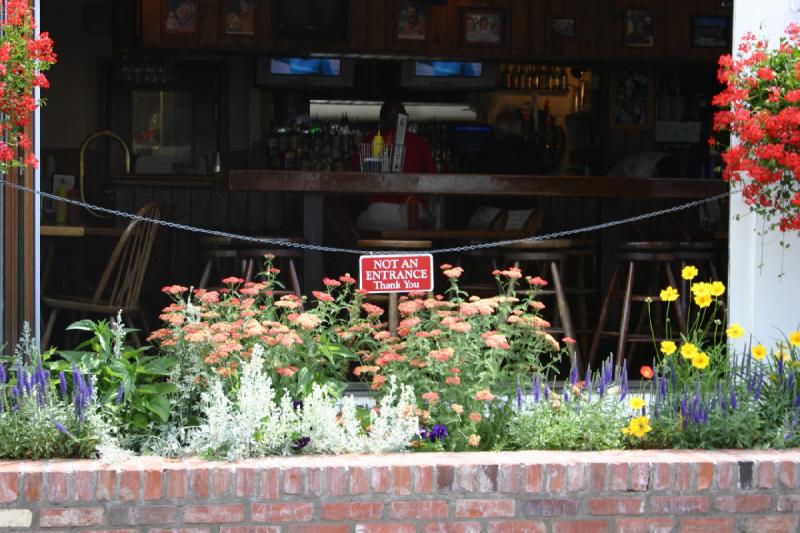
{"x": 631, "y": 98}
{"x": 562, "y": 27}
{"x": 639, "y": 28}
{"x": 483, "y": 26}
{"x": 412, "y": 21}
{"x": 180, "y": 17}
{"x": 711, "y": 31}
{"x": 239, "y": 17}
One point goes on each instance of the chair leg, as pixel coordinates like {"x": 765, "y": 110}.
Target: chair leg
{"x": 582, "y": 305}
{"x": 393, "y": 318}
{"x": 626, "y": 311}
{"x": 206, "y": 274}
{"x": 293, "y": 279}
{"x": 48, "y": 330}
{"x": 564, "y": 313}
{"x": 143, "y": 319}
{"x": 137, "y": 340}
{"x": 601, "y": 320}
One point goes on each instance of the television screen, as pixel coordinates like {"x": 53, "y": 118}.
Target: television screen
{"x": 448, "y": 69}
{"x": 298, "y": 66}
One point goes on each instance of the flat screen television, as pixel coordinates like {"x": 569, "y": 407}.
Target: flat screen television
{"x": 311, "y": 20}
{"x": 304, "y": 72}
{"x": 448, "y": 74}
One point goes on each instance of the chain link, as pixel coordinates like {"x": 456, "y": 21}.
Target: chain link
{"x": 331, "y": 249}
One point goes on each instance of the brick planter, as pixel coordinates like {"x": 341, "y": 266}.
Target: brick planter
{"x": 647, "y": 491}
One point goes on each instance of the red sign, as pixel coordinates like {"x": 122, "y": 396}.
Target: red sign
{"x": 396, "y": 273}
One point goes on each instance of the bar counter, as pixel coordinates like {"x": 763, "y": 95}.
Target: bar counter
{"x": 314, "y": 185}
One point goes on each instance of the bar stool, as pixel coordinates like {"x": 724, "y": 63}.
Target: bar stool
{"x": 557, "y": 256}
{"x": 391, "y": 244}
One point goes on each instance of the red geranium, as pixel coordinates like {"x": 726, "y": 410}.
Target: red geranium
{"x": 761, "y": 108}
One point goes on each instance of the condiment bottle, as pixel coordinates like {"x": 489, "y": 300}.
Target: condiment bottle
{"x": 377, "y": 145}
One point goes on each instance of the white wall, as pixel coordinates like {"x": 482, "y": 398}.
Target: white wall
{"x": 761, "y": 300}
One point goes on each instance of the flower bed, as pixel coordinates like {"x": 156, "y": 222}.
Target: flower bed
{"x": 721, "y": 491}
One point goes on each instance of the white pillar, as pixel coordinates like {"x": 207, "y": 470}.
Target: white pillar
{"x": 761, "y": 300}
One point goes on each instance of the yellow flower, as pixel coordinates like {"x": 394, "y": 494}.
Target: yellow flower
{"x": 783, "y": 355}
{"x": 636, "y": 403}
{"x": 703, "y": 301}
{"x": 689, "y": 272}
{"x": 670, "y": 294}
{"x": 717, "y": 289}
{"x": 688, "y": 350}
{"x": 668, "y": 347}
{"x": 700, "y": 360}
{"x": 638, "y": 427}
{"x": 794, "y": 338}
{"x": 701, "y": 288}
{"x": 735, "y": 331}
{"x": 758, "y": 352}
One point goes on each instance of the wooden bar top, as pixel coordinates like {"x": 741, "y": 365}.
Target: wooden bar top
{"x": 46, "y": 230}
{"x": 473, "y": 184}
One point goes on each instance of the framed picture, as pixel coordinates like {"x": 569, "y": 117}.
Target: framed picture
{"x": 412, "y": 21}
{"x": 238, "y": 17}
{"x": 711, "y": 31}
{"x": 180, "y": 16}
{"x": 562, "y": 28}
{"x": 631, "y": 98}
{"x": 639, "y": 27}
{"x": 482, "y": 26}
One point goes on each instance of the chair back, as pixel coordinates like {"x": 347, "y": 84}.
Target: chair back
{"x": 122, "y": 280}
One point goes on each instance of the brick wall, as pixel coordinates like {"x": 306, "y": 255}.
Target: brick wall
{"x": 648, "y": 491}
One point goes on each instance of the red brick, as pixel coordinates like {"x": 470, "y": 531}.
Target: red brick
{"x": 32, "y": 482}
{"x": 487, "y": 478}
{"x": 765, "y": 475}
{"x": 199, "y": 482}
{"x": 9, "y": 487}
{"x": 466, "y": 479}
{"x": 508, "y": 478}
{"x": 683, "y": 477}
{"x": 82, "y": 489}
{"x": 789, "y": 503}
{"x": 597, "y": 477}
{"x": 337, "y": 481}
{"x": 106, "y": 485}
{"x": 359, "y": 480}
{"x": 644, "y": 525}
{"x": 550, "y": 507}
{"x": 75, "y": 517}
{"x": 705, "y": 476}
{"x": 576, "y": 477}
{"x": 57, "y": 487}
{"x": 517, "y": 526}
{"x": 385, "y": 528}
{"x": 609, "y": 506}
{"x": 315, "y": 528}
{"x": 640, "y": 476}
{"x": 246, "y": 482}
{"x": 485, "y": 508}
{"x": 580, "y": 526}
{"x": 176, "y": 484}
{"x": 213, "y": 514}
{"x": 618, "y": 476}
{"x": 269, "y": 484}
{"x": 313, "y": 486}
{"x": 111, "y": 531}
{"x": 423, "y": 479}
{"x": 678, "y": 504}
{"x": 401, "y": 480}
{"x": 773, "y": 524}
{"x": 419, "y": 509}
{"x": 250, "y": 529}
{"x": 293, "y": 481}
{"x": 533, "y": 478}
{"x": 555, "y": 478}
{"x": 282, "y": 512}
{"x": 129, "y": 485}
{"x": 787, "y": 474}
{"x": 661, "y": 476}
{"x": 707, "y": 525}
{"x": 745, "y": 503}
{"x": 180, "y": 530}
{"x": 452, "y": 527}
{"x": 223, "y": 482}
{"x": 352, "y": 511}
{"x": 726, "y": 475}
{"x": 143, "y": 514}
{"x": 151, "y": 485}
{"x": 445, "y": 478}
{"x": 381, "y": 479}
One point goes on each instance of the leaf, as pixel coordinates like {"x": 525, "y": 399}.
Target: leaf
{"x": 82, "y": 325}
{"x": 160, "y": 406}
{"x": 159, "y": 366}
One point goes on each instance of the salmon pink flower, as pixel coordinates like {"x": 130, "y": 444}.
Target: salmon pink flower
{"x": 331, "y": 282}
{"x": 475, "y": 417}
{"x": 232, "y": 280}
{"x": 431, "y": 397}
{"x": 484, "y": 395}
{"x": 322, "y": 296}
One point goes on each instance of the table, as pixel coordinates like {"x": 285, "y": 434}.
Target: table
{"x": 56, "y": 231}
{"x": 314, "y": 185}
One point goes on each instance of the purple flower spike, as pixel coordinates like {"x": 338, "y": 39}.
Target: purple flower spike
{"x": 60, "y": 427}
{"x": 536, "y": 387}
{"x": 120, "y": 392}
{"x": 760, "y": 379}
{"x": 546, "y": 393}
{"x": 796, "y": 402}
{"x": 733, "y": 398}
{"x": 3, "y": 376}
{"x": 573, "y": 375}
{"x": 62, "y": 384}
{"x": 519, "y": 397}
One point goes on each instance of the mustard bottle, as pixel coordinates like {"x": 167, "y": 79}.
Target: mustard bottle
{"x": 61, "y": 207}
{"x": 377, "y": 145}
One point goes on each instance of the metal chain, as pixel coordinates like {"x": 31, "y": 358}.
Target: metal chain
{"x": 331, "y": 249}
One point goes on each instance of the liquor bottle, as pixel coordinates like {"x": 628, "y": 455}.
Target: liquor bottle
{"x": 562, "y": 80}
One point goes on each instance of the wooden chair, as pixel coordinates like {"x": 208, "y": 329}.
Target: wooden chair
{"x": 120, "y": 286}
